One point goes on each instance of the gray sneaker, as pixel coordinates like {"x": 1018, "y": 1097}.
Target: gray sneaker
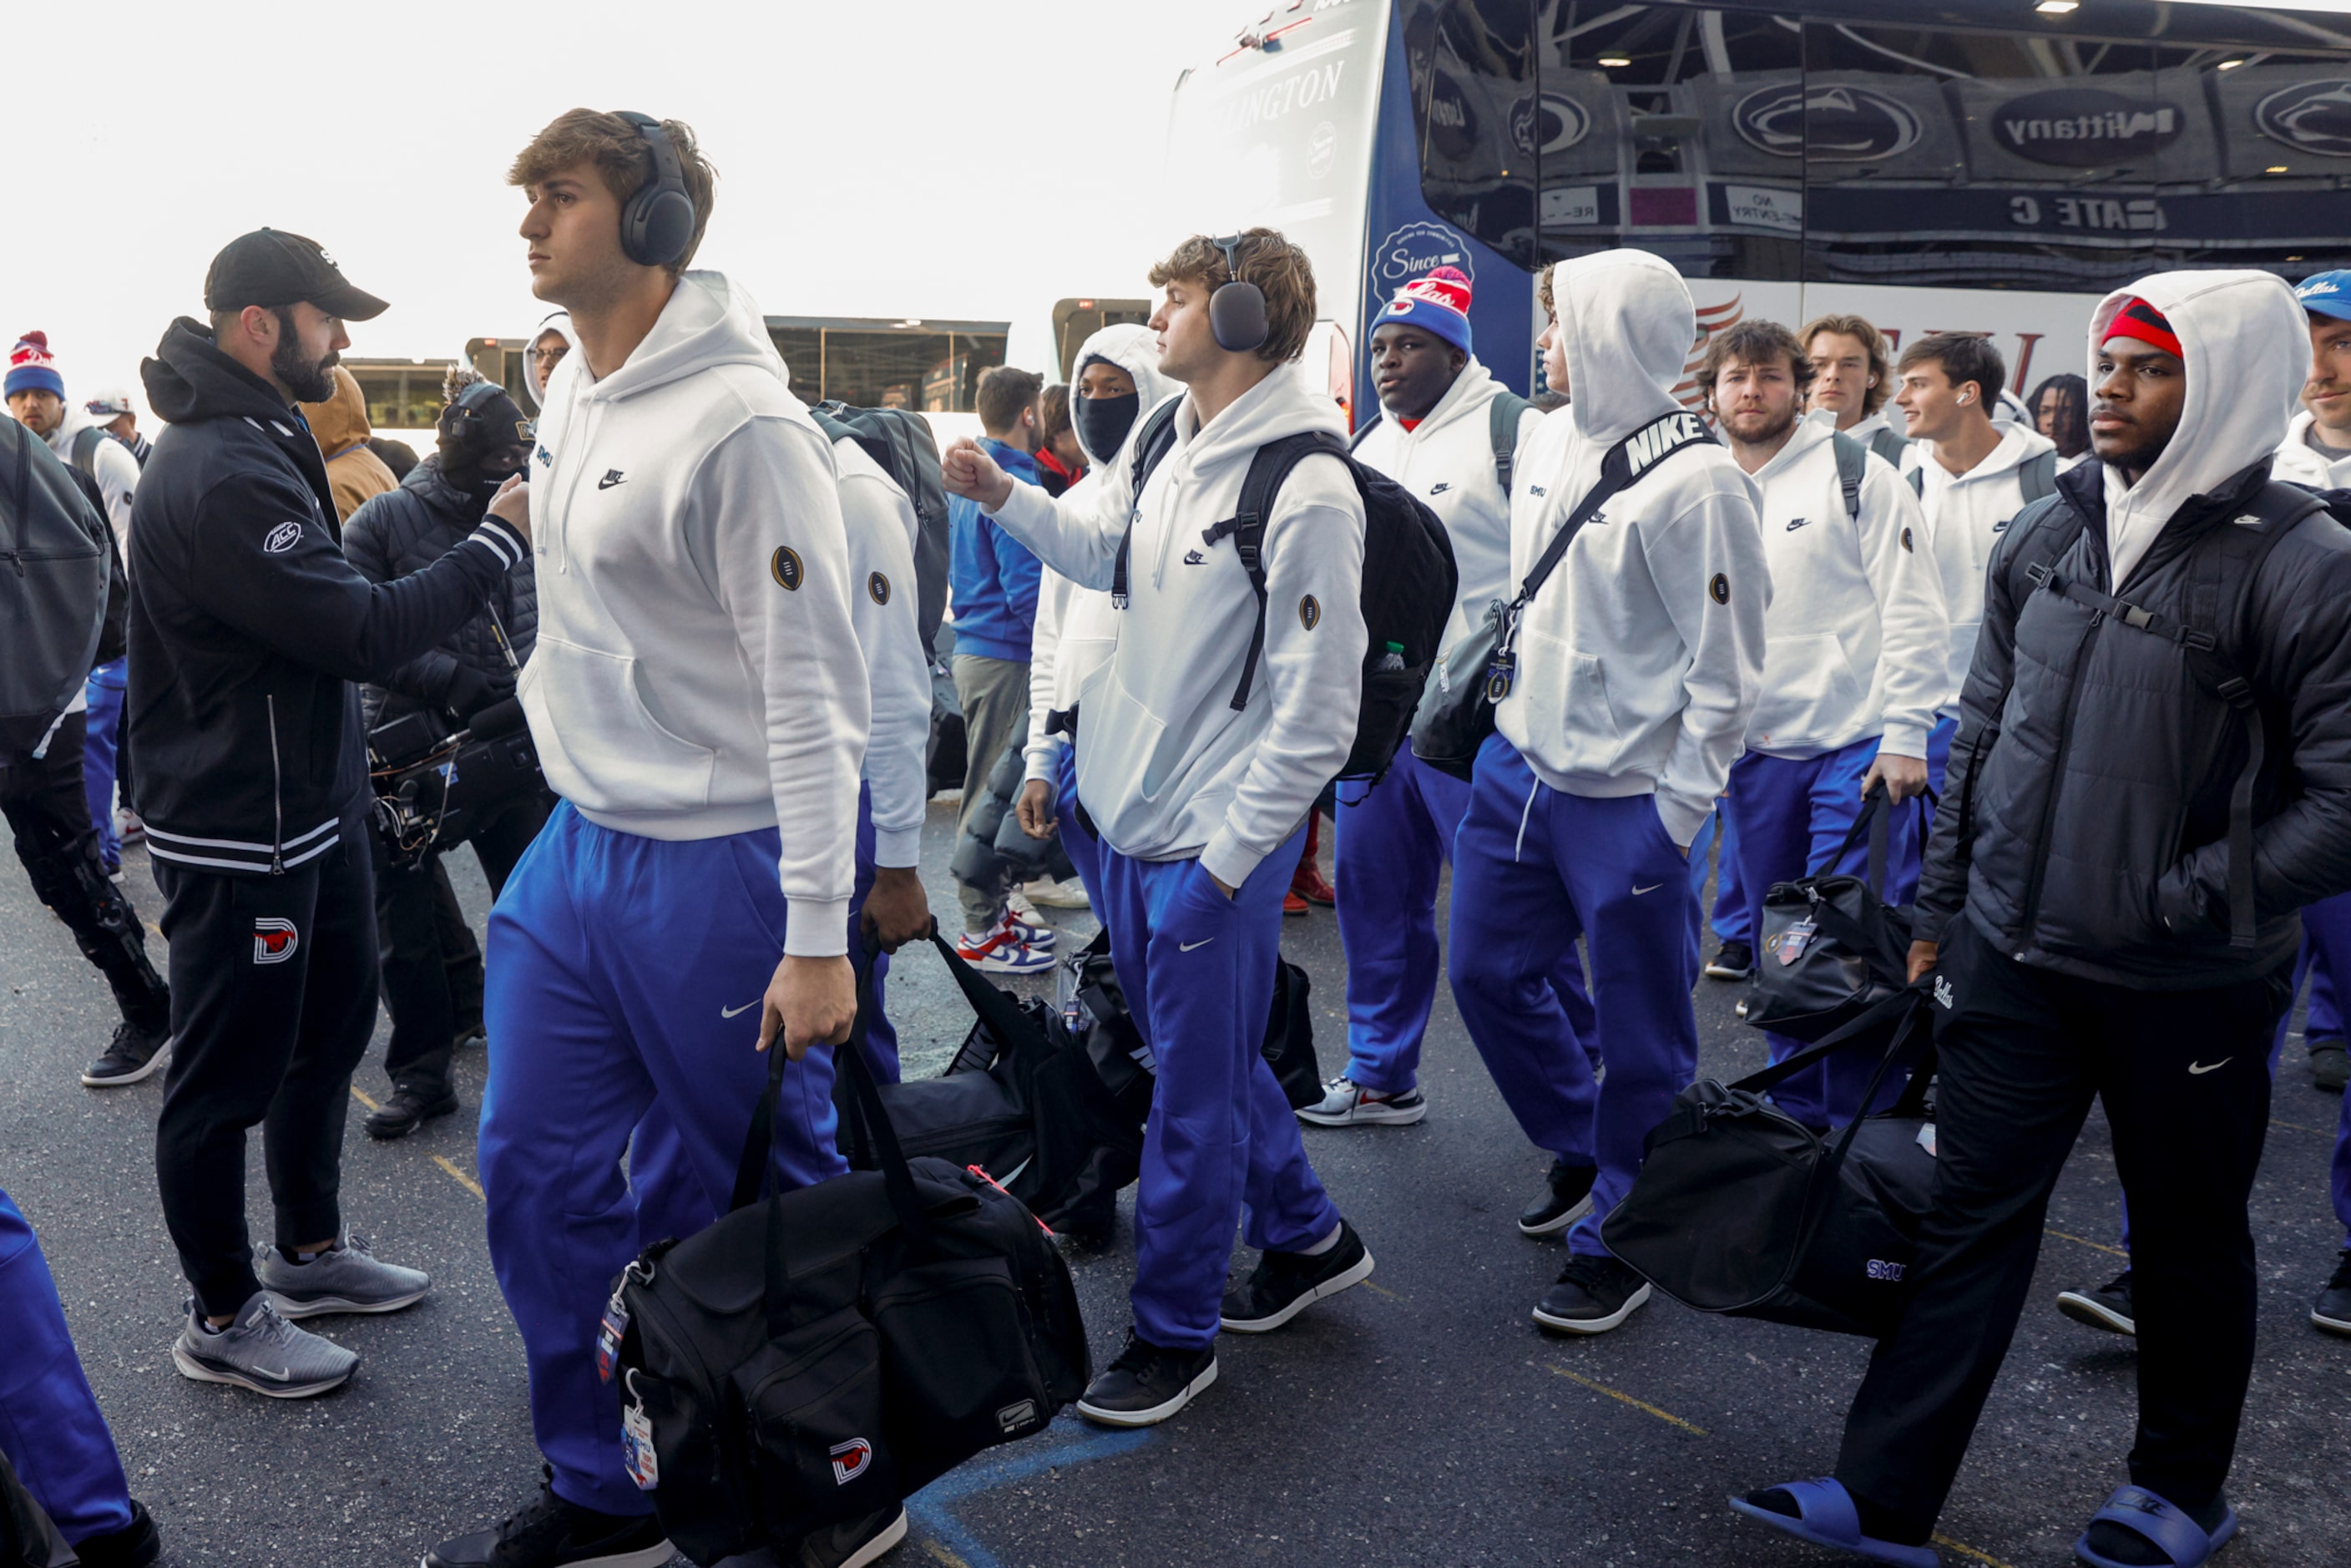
{"x": 263, "y": 1352}
{"x": 347, "y": 1280}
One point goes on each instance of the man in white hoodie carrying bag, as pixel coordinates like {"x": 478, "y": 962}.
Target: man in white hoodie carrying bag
{"x": 1200, "y": 806}
{"x": 1637, "y": 663}
{"x": 698, "y": 700}
{"x": 2152, "y": 776}
{"x": 1974, "y": 476}
{"x": 1449, "y": 432}
{"x": 1855, "y": 652}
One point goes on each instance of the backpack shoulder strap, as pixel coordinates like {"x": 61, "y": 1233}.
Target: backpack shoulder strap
{"x": 85, "y": 449}
{"x": 1356, "y": 443}
{"x": 1151, "y": 443}
{"x": 1502, "y": 418}
{"x": 1851, "y": 463}
{"x": 1260, "y": 488}
{"x": 1888, "y": 443}
{"x": 2038, "y": 476}
{"x": 1918, "y": 478}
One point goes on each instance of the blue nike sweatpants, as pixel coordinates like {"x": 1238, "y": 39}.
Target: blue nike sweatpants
{"x": 1792, "y": 814}
{"x": 671, "y": 1200}
{"x": 624, "y": 972}
{"x": 1198, "y": 969}
{"x": 1393, "y": 842}
{"x": 1085, "y": 851}
{"x": 100, "y": 748}
{"x": 1533, "y": 868}
{"x": 1938, "y": 763}
{"x": 50, "y": 1427}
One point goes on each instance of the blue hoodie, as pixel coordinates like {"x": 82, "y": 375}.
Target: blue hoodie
{"x": 992, "y": 575}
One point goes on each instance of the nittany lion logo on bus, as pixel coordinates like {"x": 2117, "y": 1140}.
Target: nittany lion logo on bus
{"x": 2310, "y": 117}
{"x": 1551, "y": 123}
{"x": 1849, "y": 124}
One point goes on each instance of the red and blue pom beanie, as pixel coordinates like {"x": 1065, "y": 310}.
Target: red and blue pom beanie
{"x": 1437, "y": 302}
{"x": 31, "y": 367}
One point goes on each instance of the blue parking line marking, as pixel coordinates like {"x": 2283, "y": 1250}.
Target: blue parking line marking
{"x": 929, "y": 1507}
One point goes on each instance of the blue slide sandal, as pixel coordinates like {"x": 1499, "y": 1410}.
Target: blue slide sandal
{"x": 2161, "y": 1525}
{"x": 1827, "y": 1519}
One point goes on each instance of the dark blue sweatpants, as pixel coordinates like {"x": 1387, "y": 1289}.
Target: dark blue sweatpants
{"x": 1792, "y": 814}
{"x": 49, "y": 1424}
{"x": 1393, "y": 840}
{"x": 1085, "y": 851}
{"x": 624, "y": 972}
{"x": 1534, "y": 868}
{"x": 1198, "y": 969}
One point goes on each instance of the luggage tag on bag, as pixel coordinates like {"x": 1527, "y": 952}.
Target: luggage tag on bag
{"x": 609, "y": 1331}
{"x": 1792, "y": 942}
{"x": 1499, "y": 675}
{"x": 637, "y": 1455}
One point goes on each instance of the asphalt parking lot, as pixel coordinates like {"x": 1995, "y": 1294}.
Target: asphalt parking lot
{"x": 1420, "y": 1420}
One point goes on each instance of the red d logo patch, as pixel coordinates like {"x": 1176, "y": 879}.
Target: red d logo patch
{"x": 274, "y": 940}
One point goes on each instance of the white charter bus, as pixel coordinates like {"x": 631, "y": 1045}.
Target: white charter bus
{"x": 1991, "y": 166}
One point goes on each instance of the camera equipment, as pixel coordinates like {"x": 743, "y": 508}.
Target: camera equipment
{"x": 432, "y": 786}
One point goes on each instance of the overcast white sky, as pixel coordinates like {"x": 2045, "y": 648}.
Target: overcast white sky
{"x": 969, "y": 159}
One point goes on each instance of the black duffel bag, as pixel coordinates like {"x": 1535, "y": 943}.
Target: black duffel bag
{"x": 1739, "y": 1209}
{"x": 1830, "y": 947}
{"x": 818, "y": 1356}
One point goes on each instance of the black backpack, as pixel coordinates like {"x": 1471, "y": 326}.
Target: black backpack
{"x": 2036, "y": 476}
{"x": 1502, "y": 417}
{"x": 821, "y": 1355}
{"x": 901, "y": 442}
{"x": 56, "y": 560}
{"x": 1409, "y": 578}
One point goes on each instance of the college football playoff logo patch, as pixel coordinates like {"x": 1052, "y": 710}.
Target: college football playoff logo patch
{"x": 879, "y": 586}
{"x": 1310, "y": 613}
{"x": 1719, "y": 589}
{"x": 274, "y": 940}
{"x": 784, "y": 566}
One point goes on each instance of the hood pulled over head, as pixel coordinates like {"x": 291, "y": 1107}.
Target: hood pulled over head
{"x": 1102, "y": 424}
{"x": 340, "y": 423}
{"x": 1628, "y": 326}
{"x": 2244, "y": 341}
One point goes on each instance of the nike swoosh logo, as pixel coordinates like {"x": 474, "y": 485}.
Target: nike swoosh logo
{"x": 283, "y": 1374}
{"x": 1188, "y": 946}
{"x": 611, "y": 477}
{"x": 2198, "y": 1067}
{"x": 730, "y": 1012}
{"x": 1651, "y": 888}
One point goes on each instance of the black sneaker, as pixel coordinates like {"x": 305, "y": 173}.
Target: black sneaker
{"x": 1731, "y": 961}
{"x": 135, "y": 1053}
{"x": 856, "y": 1542}
{"x": 1594, "y": 1295}
{"x": 1284, "y": 1284}
{"x": 2330, "y": 1066}
{"x": 135, "y": 1546}
{"x": 2332, "y": 1311}
{"x": 1567, "y": 1197}
{"x": 553, "y": 1533}
{"x": 1146, "y": 1384}
{"x": 407, "y": 1110}
{"x": 2108, "y": 1307}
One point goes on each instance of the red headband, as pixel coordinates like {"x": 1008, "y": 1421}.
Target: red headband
{"x": 2138, "y": 319}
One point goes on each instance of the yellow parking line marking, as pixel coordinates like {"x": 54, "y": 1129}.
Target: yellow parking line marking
{"x": 1382, "y": 1291}
{"x": 1964, "y": 1550}
{"x": 152, "y": 926}
{"x": 1619, "y": 1394}
{"x": 2298, "y": 1127}
{"x": 944, "y": 1556}
{"x": 2085, "y": 1241}
{"x": 468, "y": 1183}
{"x": 363, "y": 1099}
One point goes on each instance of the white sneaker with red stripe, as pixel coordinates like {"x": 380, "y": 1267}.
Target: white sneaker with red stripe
{"x": 1003, "y": 950}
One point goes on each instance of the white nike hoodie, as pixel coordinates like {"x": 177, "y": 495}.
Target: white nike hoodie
{"x": 1966, "y": 514}
{"x": 1640, "y": 661}
{"x": 1167, "y": 767}
{"x": 1855, "y": 643}
{"x": 2301, "y": 461}
{"x": 1447, "y": 460}
{"x": 1076, "y": 628}
{"x": 697, "y": 671}
{"x": 879, "y": 519}
{"x": 2249, "y": 343}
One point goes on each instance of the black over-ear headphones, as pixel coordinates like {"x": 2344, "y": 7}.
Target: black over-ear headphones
{"x": 657, "y": 222}
{"x": 1237, "y": 309}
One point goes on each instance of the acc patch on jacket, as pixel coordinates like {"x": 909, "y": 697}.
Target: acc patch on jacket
{"x": 785, "y": 566}
{"x": 281, "y": 538}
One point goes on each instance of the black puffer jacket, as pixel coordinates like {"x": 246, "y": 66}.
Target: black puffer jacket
{"x": 406, "y": 530}
{"x": 248, "y": 625}
{"x": 2086, "y": 819}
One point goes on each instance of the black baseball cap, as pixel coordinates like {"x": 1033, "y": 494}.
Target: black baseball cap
{"x": 271, "y": 268}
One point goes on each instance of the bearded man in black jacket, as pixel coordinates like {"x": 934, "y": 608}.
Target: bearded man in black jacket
{"x": 433, "y": 978}
{"x": 247, "y": 628}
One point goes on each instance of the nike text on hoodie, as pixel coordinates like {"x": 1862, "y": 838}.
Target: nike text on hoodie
{"x": 1855, "y": 643}
{"x": 1167, "y": 767}
{"x": 1640, "y": 661}
{"x": 881, "y": 527}
{"x": 697, "y": 671}
{"x": 1447, "y": 460}
{"x": 1965, "y": 515}
{"x": 1078, "y": 627}
{"x": 2303, "y": 461}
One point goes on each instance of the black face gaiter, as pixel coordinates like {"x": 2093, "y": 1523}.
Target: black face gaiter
{"x": 1102, "y": 422}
